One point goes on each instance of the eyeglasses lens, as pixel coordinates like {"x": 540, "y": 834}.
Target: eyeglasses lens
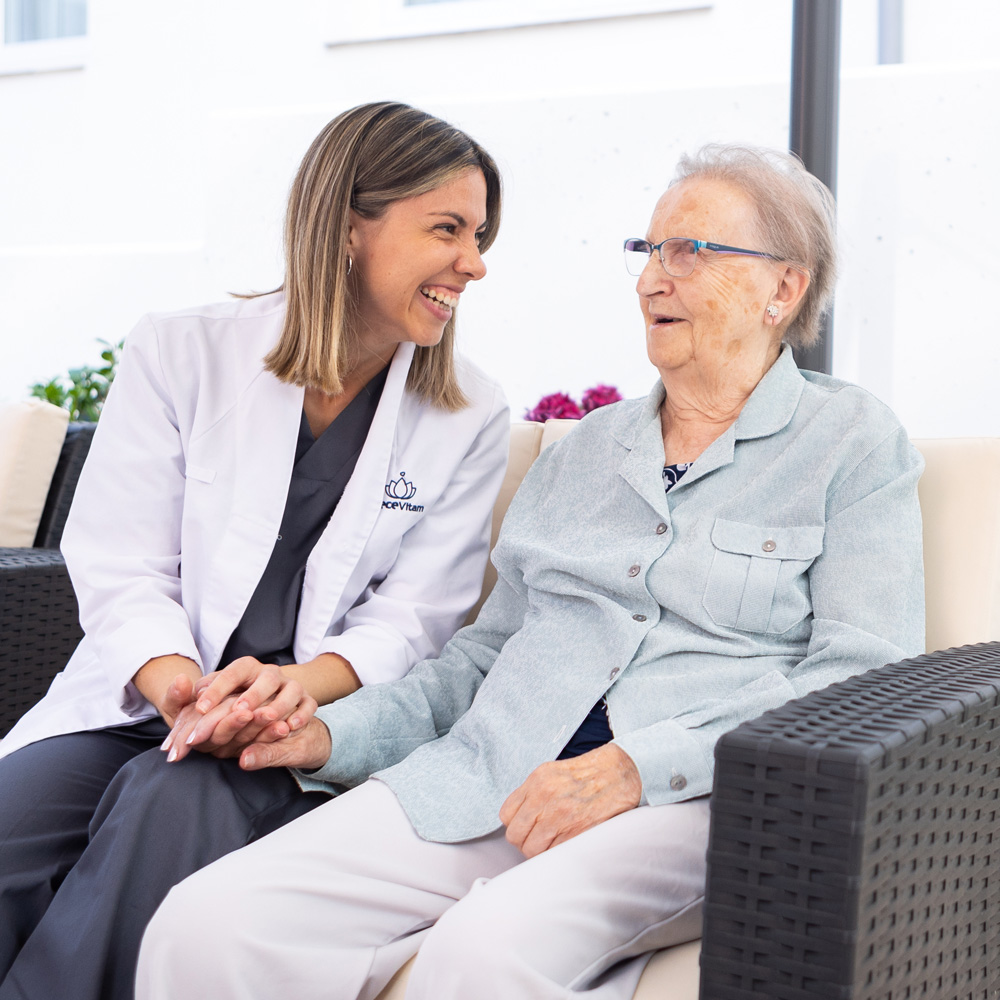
{"x": 636, "y": 255}
{"x": 677, "y": 255}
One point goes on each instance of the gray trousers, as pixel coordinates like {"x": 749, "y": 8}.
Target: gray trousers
{"x": 95, "y": 828}
{"x": 329, "y": 907}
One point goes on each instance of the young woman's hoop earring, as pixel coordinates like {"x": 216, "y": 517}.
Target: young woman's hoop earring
{"x": 350, "y": 263}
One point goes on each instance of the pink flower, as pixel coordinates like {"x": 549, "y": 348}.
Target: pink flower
{"x": 554, "y": 407}
{"x": 599, "y": 395}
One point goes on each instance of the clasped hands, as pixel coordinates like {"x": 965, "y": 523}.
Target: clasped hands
{"x": 256, "y": 712}
{"x": 246, "y": 703}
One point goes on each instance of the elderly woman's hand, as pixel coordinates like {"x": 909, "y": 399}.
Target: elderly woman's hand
{"x": 306, "y": 748}
{"x": 565, "y": 797}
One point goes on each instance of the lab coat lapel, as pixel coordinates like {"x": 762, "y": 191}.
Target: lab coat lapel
{"x": 343, "y": 542}
{"x": 267, "y": 421}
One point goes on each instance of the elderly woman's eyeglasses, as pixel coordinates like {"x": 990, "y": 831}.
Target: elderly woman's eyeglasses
{"x": 677, "y": 255}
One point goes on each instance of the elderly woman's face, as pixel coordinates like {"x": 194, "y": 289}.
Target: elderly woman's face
{"x": 716, "y": 316}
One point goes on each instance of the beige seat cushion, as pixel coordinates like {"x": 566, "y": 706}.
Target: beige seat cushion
{"x": 672, "y": 974}
{"x": 31, "y": 437}
{"x": 960, "y": 503}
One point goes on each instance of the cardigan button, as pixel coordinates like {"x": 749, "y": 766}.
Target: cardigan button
{"x": 769, "y": 545}
{"x": 634, "y": 570}
{"x": 638, "y": 618}
{"x": 615, "y": 671}
{"x": 678, "y": 782}
{"x": 660, "y": 528}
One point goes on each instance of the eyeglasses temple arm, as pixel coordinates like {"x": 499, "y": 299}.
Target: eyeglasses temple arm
{"x": 724, "y": 249}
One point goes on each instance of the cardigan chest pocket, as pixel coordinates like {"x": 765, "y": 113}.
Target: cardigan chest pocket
{"x": 757, "y": 580}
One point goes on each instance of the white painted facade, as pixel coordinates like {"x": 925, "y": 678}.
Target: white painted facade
{"x": 155, "y": 176}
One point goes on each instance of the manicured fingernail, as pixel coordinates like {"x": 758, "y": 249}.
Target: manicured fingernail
{"x": 165, "y": 745}
{"x": 190, "y": 738}
{"x": 172, "y": 756}
{"x": 249, "y": 760}
{"x": 203, "y": 706}
{"x": 295, "y": 723}
{"x": 242, "y": 706}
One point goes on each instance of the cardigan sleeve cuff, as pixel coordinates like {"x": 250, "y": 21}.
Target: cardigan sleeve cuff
{"x": 672, "y": 763}
{"x": 350, "y": 743}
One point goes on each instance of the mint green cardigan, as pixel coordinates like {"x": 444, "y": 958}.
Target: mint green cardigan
{"x": 787, "y": 558}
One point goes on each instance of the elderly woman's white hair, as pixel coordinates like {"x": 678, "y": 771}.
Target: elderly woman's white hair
{"x": 795, "y": 219}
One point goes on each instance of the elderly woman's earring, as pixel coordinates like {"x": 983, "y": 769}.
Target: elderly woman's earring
{"x": 350, "y": 263}
{"x": 772, "y": 311}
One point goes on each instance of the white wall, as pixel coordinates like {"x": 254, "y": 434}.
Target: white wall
{"x": 155, "y": 178}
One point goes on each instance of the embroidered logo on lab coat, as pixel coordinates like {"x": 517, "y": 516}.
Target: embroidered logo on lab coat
{"x": 399, "y": 491}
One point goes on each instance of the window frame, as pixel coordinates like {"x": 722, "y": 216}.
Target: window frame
{"x": 350, "y": 22}
{"x": 45, "y": 55}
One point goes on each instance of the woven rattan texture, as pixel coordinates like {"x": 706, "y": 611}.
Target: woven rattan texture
{"x": 39, "y": 627}
{"x": 853, "y": 833}
{"x": 63, "y": 485}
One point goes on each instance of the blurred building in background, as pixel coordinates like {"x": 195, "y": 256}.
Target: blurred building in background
{"x": 146, "y": 151}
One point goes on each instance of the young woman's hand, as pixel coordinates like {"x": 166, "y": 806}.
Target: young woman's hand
{"x": 169, "y": 683}
{"x": 227, "y": 724}
{"x": 326, "y": 678}
{"x": 247, "y": 701}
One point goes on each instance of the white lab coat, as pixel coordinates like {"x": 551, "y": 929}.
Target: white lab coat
{"x": 183, "y": 492}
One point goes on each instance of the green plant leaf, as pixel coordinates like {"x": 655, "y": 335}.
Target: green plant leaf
{"x": 82, "y": 390}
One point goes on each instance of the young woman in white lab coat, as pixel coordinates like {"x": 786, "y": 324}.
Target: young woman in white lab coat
{"x": 289, "y": 492}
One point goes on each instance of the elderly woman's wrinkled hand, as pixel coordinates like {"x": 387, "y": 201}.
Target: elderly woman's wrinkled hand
{"x": 563, "y": 798}
{"x": 306, "y": 748}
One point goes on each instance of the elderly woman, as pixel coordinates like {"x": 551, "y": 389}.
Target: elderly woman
{"x": 538, "y": 816}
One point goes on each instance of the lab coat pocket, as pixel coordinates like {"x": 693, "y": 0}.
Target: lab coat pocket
{"x": 757, "y": 581}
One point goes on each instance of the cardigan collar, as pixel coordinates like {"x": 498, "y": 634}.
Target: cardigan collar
{"x": 770, "y": 408}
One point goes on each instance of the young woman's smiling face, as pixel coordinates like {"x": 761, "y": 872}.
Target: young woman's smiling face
{"x": 414, "y": 262}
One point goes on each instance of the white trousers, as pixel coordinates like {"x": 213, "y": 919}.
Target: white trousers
{"x": 333, "y": 904}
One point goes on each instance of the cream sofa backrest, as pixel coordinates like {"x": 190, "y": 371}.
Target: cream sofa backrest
{"x": 31, "y": 436}
{"x": 960, "y": 502}
{"x": 525, "y": 447}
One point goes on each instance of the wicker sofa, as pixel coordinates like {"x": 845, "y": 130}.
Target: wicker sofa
{"x": 852, "y": 830}
{"x": 39, "y": 625}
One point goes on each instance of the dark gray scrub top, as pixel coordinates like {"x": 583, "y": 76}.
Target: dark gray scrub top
{"x": 322, "y": 468}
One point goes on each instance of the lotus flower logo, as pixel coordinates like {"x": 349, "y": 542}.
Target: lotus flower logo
{"x": 400, "y": 489}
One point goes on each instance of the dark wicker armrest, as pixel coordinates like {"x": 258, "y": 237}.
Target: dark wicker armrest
{"x": 75, "y": 449}
{"x": 39, "y": 627}
{"x": 852, "y": 838}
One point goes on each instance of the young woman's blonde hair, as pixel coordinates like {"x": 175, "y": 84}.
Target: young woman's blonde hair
{"x": 365, "y": 159}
